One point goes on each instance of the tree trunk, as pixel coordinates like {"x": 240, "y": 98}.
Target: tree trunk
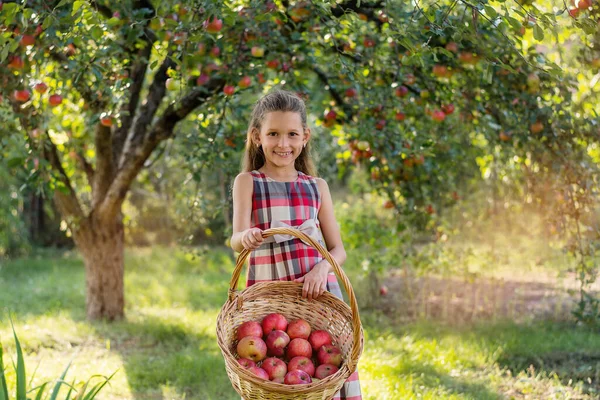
{"x": 102, "y": 247}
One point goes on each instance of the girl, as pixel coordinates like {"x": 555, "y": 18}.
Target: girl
{"x": 278, "y": 187}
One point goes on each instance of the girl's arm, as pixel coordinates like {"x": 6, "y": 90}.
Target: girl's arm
{"x": 330, "y": 227}
{"x": 244, "y": 236}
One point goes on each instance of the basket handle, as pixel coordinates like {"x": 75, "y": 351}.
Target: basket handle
{"x": 356, "y": 325}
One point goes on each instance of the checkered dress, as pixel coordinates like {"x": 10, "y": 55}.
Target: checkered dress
{"x": 292, "y": 203}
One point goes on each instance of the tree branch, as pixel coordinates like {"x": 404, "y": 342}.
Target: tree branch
{"x": 87, "y": 167}
{"x": 137, "y": 72}
{"x": 104, "y": 165}
{"x": 141, "y": 146}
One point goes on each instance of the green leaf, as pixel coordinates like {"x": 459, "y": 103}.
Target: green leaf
{"x": 47, "y": 22}
{"x": 62, "y": 3}
{"x": 76, "y": 6}
{"x": 40, "y": 393}
{"x": 14, "y": 162}
{"x": 21, "y": 376}
{"x": 515, "y": 23}
{"x": 538, "y": 33}
{"x": 3, "y": 387}
{"x": 490, "y": 11}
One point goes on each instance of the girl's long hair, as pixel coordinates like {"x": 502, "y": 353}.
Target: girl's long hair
{"x": 277, "y": 100}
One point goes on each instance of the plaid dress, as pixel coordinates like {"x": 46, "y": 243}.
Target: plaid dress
{"x": 292, "y": 203}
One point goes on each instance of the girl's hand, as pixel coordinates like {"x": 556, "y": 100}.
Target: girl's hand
{"x": 252, "y": 238}
{"x": 315, "y": 281}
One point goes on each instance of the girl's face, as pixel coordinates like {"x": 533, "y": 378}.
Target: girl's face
{"x": 282, "y": 138}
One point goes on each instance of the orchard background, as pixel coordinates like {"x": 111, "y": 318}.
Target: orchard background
{"x": 460, "y": 139}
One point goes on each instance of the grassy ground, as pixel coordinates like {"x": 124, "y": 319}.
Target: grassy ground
{"x": 166, "y": 348}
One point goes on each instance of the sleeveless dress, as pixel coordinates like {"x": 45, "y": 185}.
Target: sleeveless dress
{"x": 291, "y": 203}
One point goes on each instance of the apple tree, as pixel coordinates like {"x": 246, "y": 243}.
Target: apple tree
{"x": 419, "y": 93}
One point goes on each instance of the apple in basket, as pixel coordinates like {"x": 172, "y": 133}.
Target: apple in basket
{"x": 297, "y": 377}
{"x": 274, "y": 322}
{"x": 252, "y": 348}
{"x": 249, "y": 328}
{"x": 318, "y": 339}
{"x": 275, "y": 367}
{"x": 324, "y": 370}
{"x": 299, "y": 347}
{"x": 247, "y": 364}
{"x": 303, "y": 364}
{"x": 261, "y": 373}
{"x": 299, "y": 328}
{"x": 276, "y": 343}
{"x": 279, "y": 380}
{"x": 329, "y": 354}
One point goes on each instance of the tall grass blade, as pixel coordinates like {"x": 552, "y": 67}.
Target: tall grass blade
{"x": 21, "y": 377}
{"x": 3, "y": 387}
{"x": 60, "y": 381}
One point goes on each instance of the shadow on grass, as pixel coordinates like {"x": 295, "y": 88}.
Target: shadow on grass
{"x": 159, "y": 355}
{"x": 570, "y": 367}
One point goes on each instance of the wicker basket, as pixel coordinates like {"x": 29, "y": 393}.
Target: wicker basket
{"x": 326, "y": 312}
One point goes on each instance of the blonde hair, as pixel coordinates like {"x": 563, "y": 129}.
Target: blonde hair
{"x": 277, "y": 100}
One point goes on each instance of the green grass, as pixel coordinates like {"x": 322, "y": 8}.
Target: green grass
{"x": 166, "y": 347}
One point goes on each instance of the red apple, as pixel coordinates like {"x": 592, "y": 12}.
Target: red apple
{"x": 258, "y": 371}
{"x": 229, "y": 90}
{"x": 249, "y": 328}
{"x": 429, "y": 209}
{"x": 298, "y": 328}
{"x": 331, "y": 115}
{"x": 401, "y": 91}
{"x": 27, "y": 40}
{"x": 297, "y": 377}
{"x": 274, "y": 322}
{"x": 380, "y": 124}
{"x": 202, "y": 79}
{"x": 318, "y": 339}
{"x": 41, "y": 87}
{"x": 215, "y": 52}
{"x": 272, "y": 64}
{"x": 383, "y": 290}
{"x": 504, "y": 136}
{"x": 247, "y": 364}
{"x": 299, "y": 347}
{"x": 448, "y": 108}
{"x": 257, "y": 51}
{"x": 574, "y": 12}
{"x": 22, "y": 95}
{"x": 213, "y": 26}
{"x": 252, "y": 348}
{"x": 274, "y": 367}
{"x": 16, "y": 62}
{"x": 329, "y": 354}
{"x": 452, "y": 46}
{"x": 368, "y": 42}
{"x": 438, "y": 116}
{"x": 536, "y": 127}
{"x": 106, "y": 121}
{"x": 55, "y": 100}
{"x": 245, "y": 82}
{"x": 351, "y": 92}
{"x": 324, "y": 370}
{"x": 303, "y": 364}
{"x": 276, "y": 343}
{"x": 584, "y": 4}
{"x": 279, "y": 380}
{"x": 400, "y": 116}
{"x": 410, "y": 79}
{"x": 440, "y": 70}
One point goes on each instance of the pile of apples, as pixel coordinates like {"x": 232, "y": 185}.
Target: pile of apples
{"x": 288, "y": 353}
